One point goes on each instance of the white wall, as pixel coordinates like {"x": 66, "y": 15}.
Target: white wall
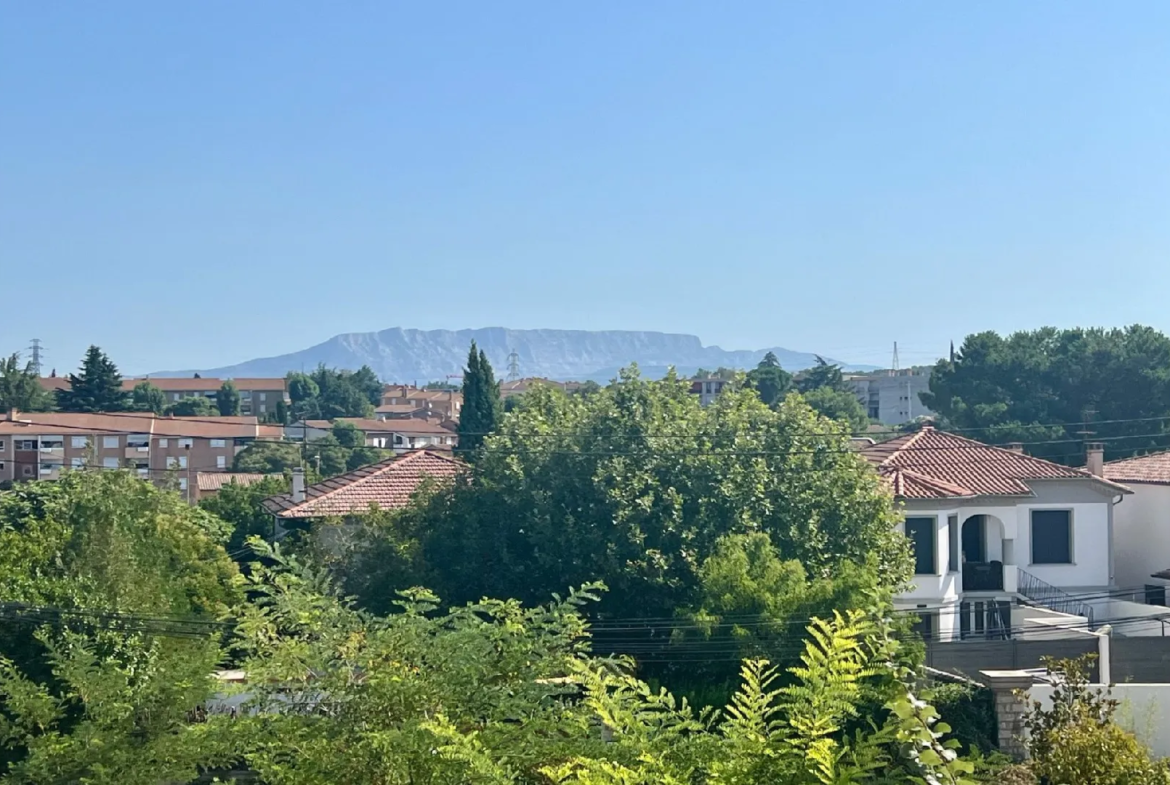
{"x": 1132, "y": 619}
{"x": 1144, "y": 710}
{"x": 1090, "y": 546}
{"x": 1141, "y": 535}
{"x": 1039, "y": 623}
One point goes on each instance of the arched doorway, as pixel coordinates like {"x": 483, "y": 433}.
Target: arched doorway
{"x": 974, "y": 542}
{"x": 982, "y": 546}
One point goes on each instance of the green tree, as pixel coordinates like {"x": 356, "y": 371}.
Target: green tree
{"x": 20, "y": 388}
{"x": 839, "y": 405}
{"x": 343, "y": 393}
{"x": 482, "y": 409}
{"x": 364, "y": 456}
{"x": 269, "y": 458}
{"x": 823, "y": 374}
{"x": 97, "y": 388}
{"x": 239, "y": 506}
{"x": 366, "y": 381}
{"x": 192, "y": 406}
{"x": 635, "y": 485}
{"x": 145, "y": 397}
{"x": 769, "y": 380}
{"x": 301, "y": 387}
{"x": 227, "y": 399}
{"x": 348, "y": 435}
{"x": 1043, "y": 386}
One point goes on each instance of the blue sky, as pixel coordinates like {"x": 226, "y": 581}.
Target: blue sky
{"x": 193, "y": 184}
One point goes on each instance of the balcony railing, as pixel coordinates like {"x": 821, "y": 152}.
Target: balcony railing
{"x": 983, "y": 576}
{"x": 1054, "y": 598}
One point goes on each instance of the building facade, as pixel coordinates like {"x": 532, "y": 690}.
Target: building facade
{"x": 166, "y": 450}
{"x": 258, "y": 396}
{"x": 892, "y": 397}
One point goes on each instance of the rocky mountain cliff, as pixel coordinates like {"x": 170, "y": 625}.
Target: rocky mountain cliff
{"x": 404, "y": 355}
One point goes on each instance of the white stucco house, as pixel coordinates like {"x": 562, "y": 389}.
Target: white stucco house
{"x": 1141, "y": 526}
{"x": 993, "y": 529}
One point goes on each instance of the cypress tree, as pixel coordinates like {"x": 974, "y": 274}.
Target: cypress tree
{"x": 481, "y": 403}
{"x": 98, "y": 388}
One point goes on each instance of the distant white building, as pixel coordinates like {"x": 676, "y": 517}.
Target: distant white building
{"x": 891, "y": 397}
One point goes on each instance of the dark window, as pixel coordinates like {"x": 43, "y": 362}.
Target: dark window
{"x": 953, "y": 542}
{"x": 925, "y": 625}
{"x": 1051, "y": 537}
{"x": 974, "y": 539}
{"x": 1155, "y": 595}
{"x": 921, "y": 532}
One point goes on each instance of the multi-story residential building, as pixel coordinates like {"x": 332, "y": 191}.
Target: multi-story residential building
{"x": 443, "y": 404}
{"x": 708, "y": 388}
{"x": 992, "y": 528}
{"x": 258, "y": 396}
{"x": 163, "y": 449}
{"x": 514, "y": 387}
{"x": 891, "y": 397}
{"x": 398, "y": 435}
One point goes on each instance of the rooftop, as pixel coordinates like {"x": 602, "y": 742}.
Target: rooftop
{"x": 213, "y": 481}
{"x": 1151, "y": 469}
{"x": 16, "y": 423}
{"x": 388, "y": 484}
{"x": 181, "y": 384}
{"x": 933, "y": 464}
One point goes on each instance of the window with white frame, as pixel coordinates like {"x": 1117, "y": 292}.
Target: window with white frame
{"x": 1052, "y": 537}
{"x": 220, "y": 462}
{"x": 182, "y": 461}
{"x": 182, "y": 483}
{"x": 110, "y": 442}
{"x": 184, "y": 442}
{"x": 25, "y": 444}
{"x": 172, "y": 462}
{"x": 163, "y": 442}
{"x": 79, "y": 442}
{"x": 110, "y": 463}
{"x": 264, "y": 396}
{"x": 263, "y": 408}
{"x": 76, "y": 463}
{"x": 219, "y": 442}
{"x": 1, "y": 444}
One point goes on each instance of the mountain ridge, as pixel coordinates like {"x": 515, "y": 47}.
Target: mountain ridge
{"x": 401, "y": 354}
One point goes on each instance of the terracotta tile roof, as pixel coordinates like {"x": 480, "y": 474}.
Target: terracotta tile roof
{"x": 181, "y": 384}
{"x": 1151, "y": 469}
{"x": 411, "y": 426}
{"x": 932, "y": 464}
{"x": 389, "y": 484}
{"x": 213, "y": 481}
{"x": 397, "y": 408}
{"x": 133, "y": 422}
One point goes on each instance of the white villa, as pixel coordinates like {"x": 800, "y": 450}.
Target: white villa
{"x": 993, "y": 530}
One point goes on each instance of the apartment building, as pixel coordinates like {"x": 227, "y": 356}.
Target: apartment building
{"x": 514, "y": 387}
{"x": 167, "y": 450}
{"x": 891, "y": 397}
{"x": 443, "y": 404}
{"x": 258, "y": 396}
{"x": 399, "y": 435}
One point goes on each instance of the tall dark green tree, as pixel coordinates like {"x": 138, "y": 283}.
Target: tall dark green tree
{"x": 20, "y": 388}
{"x": 97, "y": 388}
{"x": 145, "y": 397}
{"x": 482, "y": 409}
{"x": 227, "y": 400}
{"x": 193, "y": 406}
{"x": 769, "y": 380}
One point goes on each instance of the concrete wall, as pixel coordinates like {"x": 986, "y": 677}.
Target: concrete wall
{"x": 1145, "y": 710}
{"x": 1132, "y": 619}
{"x": 970, "y": 657}
{"x": 1141, "y": 535}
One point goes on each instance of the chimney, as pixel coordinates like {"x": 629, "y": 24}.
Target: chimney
{"x": 12, "y": 414}
{"x": 298, "y": 485}
{"x": 1095, "y": 458}
{"x": 1015, "y": 447}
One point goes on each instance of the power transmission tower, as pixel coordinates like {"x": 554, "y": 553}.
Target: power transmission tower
{"x": 513, "y": 366}
{"x": 36, "y": 349}
{"x": 894, "y": 364}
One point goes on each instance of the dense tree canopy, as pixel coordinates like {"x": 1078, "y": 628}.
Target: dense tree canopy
{"x": 227, "y": 399}
{"x": 20, "y": 388}
{"x": 771, "y": 382}
{"x": 328, "y": 393}
{"x": 97, "y": 388}
{"x": 145, "y": 397}
{"x": 239, "y": 506}
{"x": 1053, "y": 385}
{"x": 635, "y": 485}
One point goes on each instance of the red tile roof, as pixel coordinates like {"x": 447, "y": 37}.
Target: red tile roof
{"x": 388, "y": 484}
{"x": 411, "y": 427}
{"x": 213, "y": 481}
{"x": 1151, "y": 469}
{"x": 180, "y": 384}
{"x": 134, "y": 422}
{"x": 932, "y": 464}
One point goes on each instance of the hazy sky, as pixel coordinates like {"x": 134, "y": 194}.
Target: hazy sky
{"x": 195, "y": 183}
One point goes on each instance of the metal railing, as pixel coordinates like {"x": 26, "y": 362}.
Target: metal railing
{"x": 1048, "y": 596}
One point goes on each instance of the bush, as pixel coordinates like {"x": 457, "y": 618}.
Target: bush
{"x": 970, "y": 711}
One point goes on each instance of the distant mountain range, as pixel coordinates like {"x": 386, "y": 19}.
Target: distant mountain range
{"x": 403, "y": 355}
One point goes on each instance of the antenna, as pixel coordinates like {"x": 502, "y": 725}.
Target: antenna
{"x": 36, "y": 349}
{"x": 513, "y": 366}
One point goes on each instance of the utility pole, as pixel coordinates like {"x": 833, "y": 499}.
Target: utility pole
{"x": 513, "y": 366}
{"x": 36, "y": 348}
